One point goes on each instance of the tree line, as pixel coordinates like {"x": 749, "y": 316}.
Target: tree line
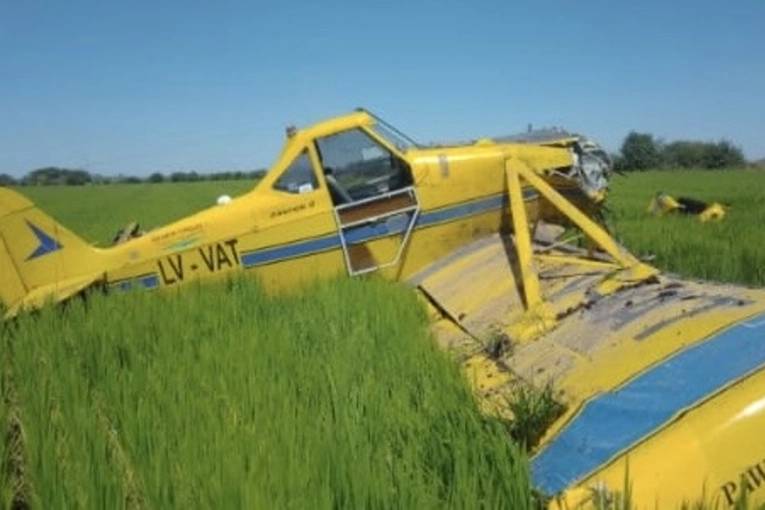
{"x": 643, "y": 151}
{"x": 639, "y": 151}
{"x": 56, "y": 176}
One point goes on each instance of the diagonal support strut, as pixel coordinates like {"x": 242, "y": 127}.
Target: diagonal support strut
{"x": 539, "y": 316}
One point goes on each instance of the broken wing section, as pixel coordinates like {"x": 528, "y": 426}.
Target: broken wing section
{"x": 668, "y": 364}
{"x": 476, "y": 294}
{"x": 676, "y": 400}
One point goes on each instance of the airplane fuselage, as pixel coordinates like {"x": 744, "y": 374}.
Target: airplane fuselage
{"x": 415, "y": 207}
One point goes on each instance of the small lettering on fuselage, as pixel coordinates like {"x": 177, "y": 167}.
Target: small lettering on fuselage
{"x": 750, "y": 480}
{"x": 295, "y": 208}
{"x": 208, "y": 259}
{"x": 170, "y": 234}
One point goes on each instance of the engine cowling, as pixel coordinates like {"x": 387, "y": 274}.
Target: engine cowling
{"x": 592, "y": 166}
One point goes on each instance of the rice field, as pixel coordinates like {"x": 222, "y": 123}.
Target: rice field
{"x": 731, "y": 250}
{"x": 230, "y": 399}
{"x": 97, "y": 212}
{"x": 223, "y": 397}
{"x": 220, "y": 396}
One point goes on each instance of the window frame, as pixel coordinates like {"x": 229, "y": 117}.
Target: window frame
{"x": 379, "y": 143}
{"x": 317, "y": 183}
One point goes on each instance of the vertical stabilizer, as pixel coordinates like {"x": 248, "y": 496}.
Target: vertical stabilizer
{"x": 40, "y": 260}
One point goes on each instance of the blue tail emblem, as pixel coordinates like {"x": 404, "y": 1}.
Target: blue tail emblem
{"x": 47, "y": 243}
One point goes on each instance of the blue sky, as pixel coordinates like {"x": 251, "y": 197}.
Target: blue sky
{"x": 143, "y": 86}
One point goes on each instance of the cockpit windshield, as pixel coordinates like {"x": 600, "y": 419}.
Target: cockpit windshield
{"x": 392, "y": 135}
{"x": 399, "y": 142}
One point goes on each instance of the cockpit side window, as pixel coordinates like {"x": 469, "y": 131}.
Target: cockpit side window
{"x": 357, "y": 166}
{"x": 299, "y": 177}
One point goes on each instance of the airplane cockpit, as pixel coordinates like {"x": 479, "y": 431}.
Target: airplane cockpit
{"x": 357, "y": 167}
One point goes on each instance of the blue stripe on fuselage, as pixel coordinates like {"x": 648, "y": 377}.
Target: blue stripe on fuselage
{"x": 147, "y": 281}
{"x": 354, "y": 235}
{"x": 288, "y": 251}
{"x": 615, "y": 421}
{"x": 461, "y": 211}
{"x": 367, "y": 233}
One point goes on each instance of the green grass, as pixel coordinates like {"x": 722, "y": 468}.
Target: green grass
{"x": 226, "y": 398}
{"x": 97, "y": 212}
{"x": 730, "y": 250}
{"x": 6, "y": 490}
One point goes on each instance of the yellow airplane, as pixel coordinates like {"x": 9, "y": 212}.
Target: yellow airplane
{"x": 659, "y": 375}
{"x": 663, "y": 204}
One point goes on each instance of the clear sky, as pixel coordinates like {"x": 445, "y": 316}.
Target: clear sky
{"x": 140, "y": 86}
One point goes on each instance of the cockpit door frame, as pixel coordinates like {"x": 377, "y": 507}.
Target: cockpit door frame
{"x": 364, "y": 221}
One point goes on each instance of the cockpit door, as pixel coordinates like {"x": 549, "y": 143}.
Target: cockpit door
{"x": 375, "y": 202}
{"x": 375, "y": 231}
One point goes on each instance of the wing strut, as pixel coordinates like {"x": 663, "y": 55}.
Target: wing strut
{"x": 539, "y": 317}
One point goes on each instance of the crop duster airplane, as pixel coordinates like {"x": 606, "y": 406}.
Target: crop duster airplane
{"x": 660, "y": 376}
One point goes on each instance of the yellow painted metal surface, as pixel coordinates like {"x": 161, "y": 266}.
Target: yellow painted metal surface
{"x": 713, "y": 453}
{"x": 596, "y": 351}
{"x": 285, "y": 237}
{"x": 663, "y": 204}
{"x": 707, "y": 441}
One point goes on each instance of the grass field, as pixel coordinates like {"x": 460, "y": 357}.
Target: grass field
{"x": 97, "y": 212}
{"x": 223, "y": 397}
{"x": 338, "y": 397}
{"x": 731, "y": 250}
{"x": 229, "y": 399}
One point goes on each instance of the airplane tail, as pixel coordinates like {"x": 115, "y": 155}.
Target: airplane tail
{"x": 40, "y": 260}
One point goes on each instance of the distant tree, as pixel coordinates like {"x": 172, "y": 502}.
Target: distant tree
{"x": 684, "y": 154}
{"x": 179, "y": 177}
{"x": 723, "y": 154}
{"x": 256, "y": 174}
{"x": 42, "y": 176}
{"x": 64, "y": 176}
{"x": 616, "y": 161}
{"x": 76, "y": 177}
{"x": 53, "y": 175}
{"x": 188, "y": 176}
{"x": 695, "y": 154}
{"x": 100, "y": 179}
{"x": 7, "y": 180}
{"x": 639, "y": 151}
